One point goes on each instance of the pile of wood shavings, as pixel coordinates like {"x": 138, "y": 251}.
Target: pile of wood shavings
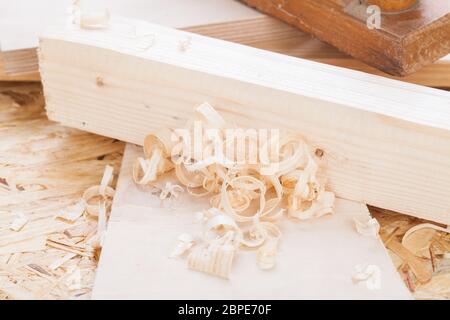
{"x": 247, "y": 198}
{"x": 44, "y": 171}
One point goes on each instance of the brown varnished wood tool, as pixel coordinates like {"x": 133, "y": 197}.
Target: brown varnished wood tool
{"x": 411, "y": 33}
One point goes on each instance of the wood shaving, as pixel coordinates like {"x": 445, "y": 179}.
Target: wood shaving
{"x": 423, "y": 226}
{"x": 370, "y": 275}
{"x": 216, "y": 258}
{"x": 97, "y": 197}
{"x": 184, "y": 44}
{"x": 418, "y": 239}
{"x": 266, "y": 256}
{"x": 246, "y": 199}
{"x": 59, "y": 262}
{"x": 73, "y": 281}
{"x": 89, "y": 20}
{"x": 370, "y": 227}
{"x": 95, "y": 20}
{"x": 170, "y": 191}
{"x": 184, "y": 243}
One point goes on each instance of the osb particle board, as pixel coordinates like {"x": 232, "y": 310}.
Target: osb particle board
{"x": 45, "y": 167}
{"x": 404, "y": 43}
{"x": 316, "y": 259}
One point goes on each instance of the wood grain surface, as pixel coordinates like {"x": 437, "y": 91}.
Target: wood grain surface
{"x": 23, "y": 121}
{"x": 4, "y": 76}
{"x": 301, "y": 270}
{"x": 44, "y": 168}
{"x": 271, "y": 34}
{"x": 405, "y": 43}
{"x": 368, "y": 127}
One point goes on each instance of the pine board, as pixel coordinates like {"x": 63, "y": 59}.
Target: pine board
{"x": 270, "y": 34}
{"x": 315, "y": 261}
{"x": 385, "y": 143}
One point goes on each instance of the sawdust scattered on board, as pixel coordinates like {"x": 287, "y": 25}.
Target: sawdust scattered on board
{"x": 45, "y": 168}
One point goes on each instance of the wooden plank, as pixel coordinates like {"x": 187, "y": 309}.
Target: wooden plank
{"x": 22, "y": 64}
{"x": 273, "y": 35}
{"x": 22, "y": 21}
{"x": 134, "y": 263}
{"x": 270, "y": 34}
{"x": 405, "y": 42}
{"x": 383, "y": 142}
{"x": 33, "y": 76}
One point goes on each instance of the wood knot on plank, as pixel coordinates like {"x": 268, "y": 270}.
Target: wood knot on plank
{"x": 319, "y": 153}
{"x": 99, "y": 81}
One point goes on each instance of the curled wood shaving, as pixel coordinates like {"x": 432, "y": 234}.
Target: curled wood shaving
{"x": 97, "y": 240}
{"x": 101, "y": 195}
{"x": 419, "y": 238}
{"x": 170, "y": 190}
{"x": 95, "y": 20}
{"x": 216, "y": 258}
{"x": 370, "y": 227}
{"x": 184, "y": 242}
{"x": 146, "y": 171}
{"x": 184, "y": 44}
{"x": 370, "y": 274}
{"x": 247, "y": 200}
{"x": 423, "y": 226}
{"x": 89, "y": 20}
